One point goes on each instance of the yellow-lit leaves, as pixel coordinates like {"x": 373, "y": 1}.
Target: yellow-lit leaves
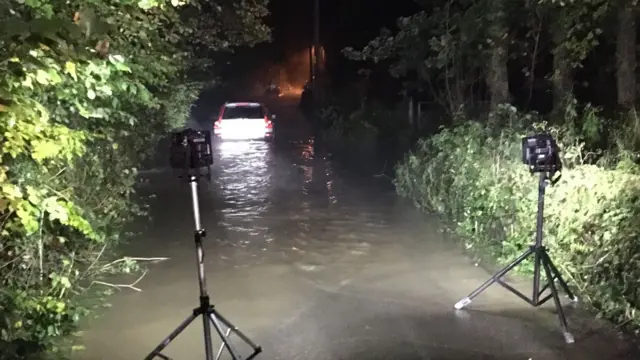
{"x": 3, "y": 175}
{"x": 49, "y": 77}
{"x": 147, "y": 4}
{"x": 65, "y": 212}
{"x": 29, "y": 216}
{"x": 177, "y": 3}
{"x": 118, "y": 62}
{"x": 32, "y": 206}
{"x": 42, "y": 77}
{"x": 11, "y": 192}
{"x": 45, "y": 148}
{"x": 54, "y": 77}
{"x": 56, "y": 209}
{"x": 70, "y": 68}
{"x": 63, "y": 281}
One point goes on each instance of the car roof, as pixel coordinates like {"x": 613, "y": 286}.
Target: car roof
{"x": 243, "y": 104}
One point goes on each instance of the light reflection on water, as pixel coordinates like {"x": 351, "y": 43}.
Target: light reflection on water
{"x": 261, "y": 186}
{"x": 279, "y": 197}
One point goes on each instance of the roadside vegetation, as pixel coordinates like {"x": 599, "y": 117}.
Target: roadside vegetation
{"x": 352, "y": 127}
{"x": 501, "y": 70}
{"x": 86, "y": 91}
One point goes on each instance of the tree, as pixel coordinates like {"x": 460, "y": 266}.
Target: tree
{"x": 441, "y": 50}
{"x": 457, "y": 48}
{"x": 574, "y": 27}
{"x": 626, "y": 53}
{"x": 498, "y": 78}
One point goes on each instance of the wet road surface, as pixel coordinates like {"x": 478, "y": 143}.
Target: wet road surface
{"x": 314, "y": 263}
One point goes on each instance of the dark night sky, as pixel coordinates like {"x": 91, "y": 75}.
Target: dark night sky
{"x": 343, "y": 23}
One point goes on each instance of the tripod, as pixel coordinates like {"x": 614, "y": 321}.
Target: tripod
{"x": 210, "y": 316}
{"x": 541, "y": 260}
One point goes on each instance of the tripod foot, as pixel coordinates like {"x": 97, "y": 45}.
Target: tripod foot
{"x": 462, "y": 303}
{"x": 256, "y": 352}
{"x": 568, "y": 338}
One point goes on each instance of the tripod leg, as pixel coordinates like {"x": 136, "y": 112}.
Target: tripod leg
{"x": 536, "y": 278}
{"x": 164, "y": 343}
{"x": 208, "y": 346}
{"x": 568, "y": 337}
{"x": 224, "y": 337}
{"x": 221, "y": 349}
{"x": 466, "y": 301}
{"x": 235, "y": 329}
{"x": 560, "y": 279}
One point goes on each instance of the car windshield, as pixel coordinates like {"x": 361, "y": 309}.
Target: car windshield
{"x": 243, "y": 112}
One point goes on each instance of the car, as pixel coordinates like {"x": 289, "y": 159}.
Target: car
{"x": 244, "y": 121}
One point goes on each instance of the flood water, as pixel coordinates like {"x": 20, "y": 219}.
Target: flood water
{"x": 313, "y": 262}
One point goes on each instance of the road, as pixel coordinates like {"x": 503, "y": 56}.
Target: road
{"x": 316, "y": 263}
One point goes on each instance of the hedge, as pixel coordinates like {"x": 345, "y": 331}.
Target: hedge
{"x": 472, "y": 175}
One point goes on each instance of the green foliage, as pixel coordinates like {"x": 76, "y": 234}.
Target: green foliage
{"x": 472, "y": 174}
{"x": 359, "y": 132}
{"x": 576, "y": 25}
{"x": 367, "y": 123}
{"x": 441, "y": 50}
{"x": 445, "y": 51}
{"x": 86, "y": 91}
{"x": 338, "y": 126}
{"x": 625, "y": 142}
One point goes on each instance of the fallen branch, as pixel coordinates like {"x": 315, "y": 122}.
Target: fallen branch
{"x": 126, "y": 258}
{"x": 382, "y": 174}
{"x": 134, "y": 259}
{"x": 131, "y": 286}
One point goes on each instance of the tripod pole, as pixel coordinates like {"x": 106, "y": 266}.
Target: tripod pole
{"x": 542, "y": 185}
{"x": 199, "y": 234}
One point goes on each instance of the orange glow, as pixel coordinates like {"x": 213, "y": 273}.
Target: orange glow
{"x": 291, "y": 91}
{"x": 290, "y": 75}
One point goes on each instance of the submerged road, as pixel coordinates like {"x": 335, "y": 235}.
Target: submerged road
{"x": 315, "y": 263}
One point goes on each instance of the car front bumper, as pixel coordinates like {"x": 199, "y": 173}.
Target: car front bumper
{"x": 243, "y": 134}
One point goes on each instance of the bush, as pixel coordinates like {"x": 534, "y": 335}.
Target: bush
{"x": 86, "y": 91}
{"x": 472, "y": 175}
{"x": 339, "y": 127}
{"x": 362, "y": 131}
